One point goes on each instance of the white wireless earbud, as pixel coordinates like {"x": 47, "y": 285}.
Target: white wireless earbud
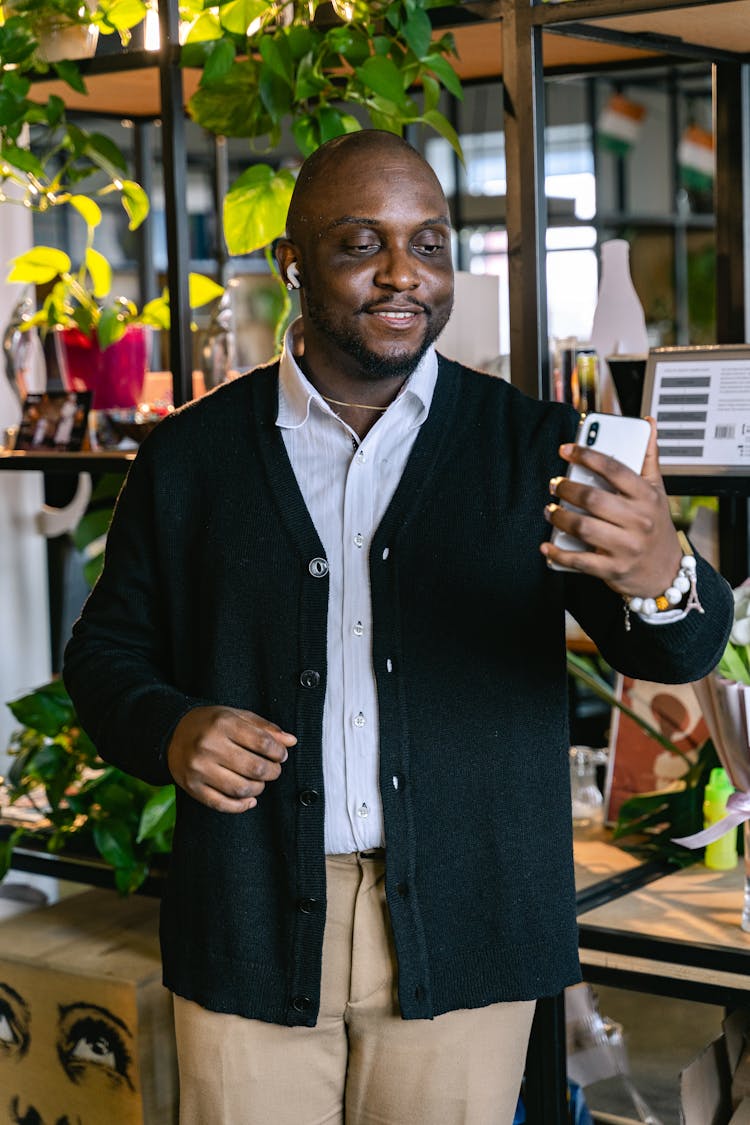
{"x": 292, "y": 274}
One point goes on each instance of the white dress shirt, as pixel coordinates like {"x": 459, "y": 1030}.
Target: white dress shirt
{"x": 347, "y": 485}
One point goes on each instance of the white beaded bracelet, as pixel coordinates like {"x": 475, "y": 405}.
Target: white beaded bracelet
{"x": 683, "y": 583}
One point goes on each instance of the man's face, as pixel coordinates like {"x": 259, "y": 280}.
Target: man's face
{"x": 376, "y": 266}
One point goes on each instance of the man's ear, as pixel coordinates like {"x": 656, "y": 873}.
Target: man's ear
{"x": 287, "y": 258}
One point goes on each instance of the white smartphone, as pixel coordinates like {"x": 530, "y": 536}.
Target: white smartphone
{"x": 625, "y": 439}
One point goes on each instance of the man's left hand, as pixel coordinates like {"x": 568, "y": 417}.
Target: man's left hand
{"x": 630, "y": 538}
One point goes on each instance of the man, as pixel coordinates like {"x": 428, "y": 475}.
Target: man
{"x": 325, "y": 613}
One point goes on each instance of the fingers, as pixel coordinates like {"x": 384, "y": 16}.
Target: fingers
{"x": 225, "y": 757}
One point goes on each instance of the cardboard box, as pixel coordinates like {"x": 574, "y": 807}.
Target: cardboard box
{"x": 85, "y": 1024}
{"x": 706, "y": 1095}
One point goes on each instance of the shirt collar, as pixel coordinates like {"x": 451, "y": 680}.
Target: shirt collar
{"x": 296, "y": 392}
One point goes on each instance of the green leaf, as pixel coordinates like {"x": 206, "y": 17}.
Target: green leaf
{"x": 382, "y": 76}
{"x": 238, "y": 15}
{"x": 39, "y": 265}
{"x": 301, "y": 40}
{"x": 55, "y": 109}
{"x": 155, "y": 313}
{"x": 98, "y": 144}
{"x": 305, "y": 134}
{"x": 129, "y": 879}
{"x": 90, "y": 212}
{"x": 111, "y": 326}
{"x": 23, "y": 159}
{"x": 206, "y": 28}
{"x": 135, "y": 202}
{"x": 351, "y": 43}
{"x": 276, "y": 94}
{"x": 443, "y": 70}
{"x": 70, "y": 74}
{"x": 100, "y": 272}
{"x": 158, "y": 814}
{"x": 219, "y": 60}
{"x": 114, "y": 842}
{"x": 277, "y": 57}
{"x": 227, "y": 107}
{"x": 47, "y": 709}
{"x": 431, "y": 90}
{"x": 335, "y": 124}
{"x": 123, "y": 14}
{"x": 92, "y": 526}
{"x": 255, "y": 208}
{"x": 443, "y": 126}
{"x": 6, "y": 850}
{"x": 732, "y": 665}
{"x": 202, "y": 290}
{"x": 16, "y": 83}
{"x": 417, "y": 31}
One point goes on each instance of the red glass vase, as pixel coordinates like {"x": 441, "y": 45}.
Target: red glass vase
{"x": 114, "y": 375}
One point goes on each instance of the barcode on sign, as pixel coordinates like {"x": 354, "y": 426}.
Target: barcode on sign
{"x": 726, "y": 432}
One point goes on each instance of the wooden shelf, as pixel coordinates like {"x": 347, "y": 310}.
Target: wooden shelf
{"x": 115, "y": 461}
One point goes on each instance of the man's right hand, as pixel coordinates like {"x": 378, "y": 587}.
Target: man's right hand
{"x": 224, "y": 757}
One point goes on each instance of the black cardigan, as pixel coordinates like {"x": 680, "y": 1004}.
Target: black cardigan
{"x": 215, "y": 590}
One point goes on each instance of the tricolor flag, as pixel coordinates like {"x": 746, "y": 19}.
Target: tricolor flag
{"x": 695, "y": 156}
{"x": 620, "y": 123}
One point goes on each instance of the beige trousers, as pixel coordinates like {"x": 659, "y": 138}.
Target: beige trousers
{"x": 361, "y": 1063}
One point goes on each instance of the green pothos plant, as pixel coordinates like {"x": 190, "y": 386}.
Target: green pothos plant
{"x": 63, "y": 152}
{"x": 84, "y": 803}
{"x": 56, "y": 772}
{"x": 303, "y": 66}
{"x": 648, "y": 822}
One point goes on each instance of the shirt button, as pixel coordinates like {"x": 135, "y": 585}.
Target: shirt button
{"x": 363, "y": 812}
{"x": 301, "y": 1003}
{"x": 361, "y": 456}
{"x": 309, "y": 678}
{"x": 359, "y": 720}
{"x": 307, "y": 905}
{"x": 308, "y": 797}
{"x": 358, "y": 629}
{"x": 359, "y": 539}
{"x": 318, "y": 568}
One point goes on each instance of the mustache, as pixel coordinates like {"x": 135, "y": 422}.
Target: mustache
{"x": 384, "y": 302}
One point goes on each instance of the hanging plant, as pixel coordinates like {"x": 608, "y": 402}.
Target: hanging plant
{"x": 63, "y": 154}
{"x": 304, "y": 65}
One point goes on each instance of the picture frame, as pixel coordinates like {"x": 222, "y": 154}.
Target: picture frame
{"x": 54, "y": 422}
{"x": 700, "y": 398}
{"x": 637, "y": 763}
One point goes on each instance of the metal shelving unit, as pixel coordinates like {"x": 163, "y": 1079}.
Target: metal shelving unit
{"x": 518, "y": 41}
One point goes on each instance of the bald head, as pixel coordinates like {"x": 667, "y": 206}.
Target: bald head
{"x": 369, "y": 148}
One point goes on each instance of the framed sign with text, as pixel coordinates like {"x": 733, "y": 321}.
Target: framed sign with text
{"x": 700, "y": 397}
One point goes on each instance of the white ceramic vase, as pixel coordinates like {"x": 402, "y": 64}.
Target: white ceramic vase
{"x": 619, "y": 325}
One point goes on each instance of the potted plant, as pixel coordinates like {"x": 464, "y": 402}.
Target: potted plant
{"x": 101, "y": 341}
{"x": 69, "y": 29}
{"x": 73, "y": 800}
{"x": 303, "y": 65}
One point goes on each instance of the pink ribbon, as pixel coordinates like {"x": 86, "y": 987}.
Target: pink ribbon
{"x": 738, "y": 811}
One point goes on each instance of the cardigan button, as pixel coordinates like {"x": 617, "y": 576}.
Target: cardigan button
{"x": 301, "y": 1003}
{"x": 308, "y": 797}
{"x": 307, "y": 905}
{"x": 318, "y": 568}
{"x": 309, "y": 678}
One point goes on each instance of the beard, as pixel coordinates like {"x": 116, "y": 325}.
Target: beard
{"x": 398, "y": 363}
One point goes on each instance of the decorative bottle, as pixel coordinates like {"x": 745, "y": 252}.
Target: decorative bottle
{"x": 619, "y": 325}
{"x": 721, "y": 855}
